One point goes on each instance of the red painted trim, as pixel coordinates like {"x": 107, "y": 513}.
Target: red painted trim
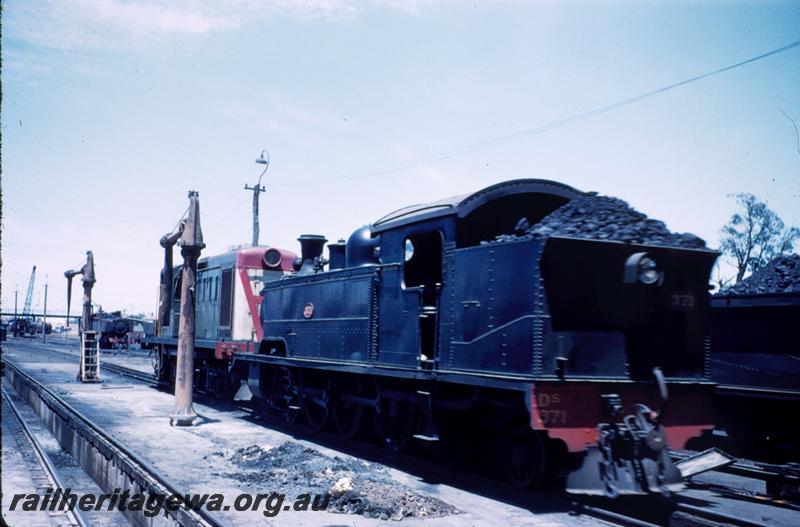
{"x": 253, "y": 258}
{"x": 253, "y": 302}
{"x": 225, "y": 349}
{"x": 571, "y": 411}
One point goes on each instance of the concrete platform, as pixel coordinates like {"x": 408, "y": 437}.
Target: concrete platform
{"x": 227, "y": 453}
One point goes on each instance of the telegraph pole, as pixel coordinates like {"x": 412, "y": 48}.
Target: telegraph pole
{"x": 191, "y": 242}
{"x": 44, "y": 315}
{"x": 258, "y": 189}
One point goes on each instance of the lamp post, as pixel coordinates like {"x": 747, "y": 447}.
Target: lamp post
{"x": 262, "y": 160}
{"x": 44, "y": 313}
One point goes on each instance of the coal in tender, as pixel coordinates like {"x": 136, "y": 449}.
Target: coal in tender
{"x": 780, "y": 275}
{"x": 602, "y": 218}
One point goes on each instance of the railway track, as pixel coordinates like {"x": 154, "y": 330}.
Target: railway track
{"x": 109, "y": 366}
{"x": 45, "y": 475}
{"x": 780, "y": 481}
{"x": 108, "y": 461}
{"x": 638, "y": 511}
{"x": 128, "y": 372}
{"x": 654, "y": 511}
{"x": 645, "y": 511}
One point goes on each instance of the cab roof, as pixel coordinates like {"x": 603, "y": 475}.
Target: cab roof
{"x": 462, "y": 205}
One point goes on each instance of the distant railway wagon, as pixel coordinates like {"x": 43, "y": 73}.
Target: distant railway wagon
{"x": 756, "y": 361}
{"x": 535, "y": 351}
{"x": 29, "y": 327}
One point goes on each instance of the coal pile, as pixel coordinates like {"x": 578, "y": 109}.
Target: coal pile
{"x": 598, "y": 217}
{"x": 781, "y": 275}
{"x": 355, "y": 486}
{"x": 388, "y": 502}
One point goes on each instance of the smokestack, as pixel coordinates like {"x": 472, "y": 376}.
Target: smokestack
{"x": 311, "y": 246}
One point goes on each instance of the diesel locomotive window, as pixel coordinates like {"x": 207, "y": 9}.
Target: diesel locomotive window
{"x": 226, "y": 298}
{"x": 423, "y": 260}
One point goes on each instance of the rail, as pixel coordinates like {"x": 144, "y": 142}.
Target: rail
{"x": 110, "y": 453}
{"x": 775, "y": 477}
{"x": 74, "y": 517}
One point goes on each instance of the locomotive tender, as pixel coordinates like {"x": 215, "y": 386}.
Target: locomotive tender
{"x": 754, "y": 363}
{"x": 534, "y": 349}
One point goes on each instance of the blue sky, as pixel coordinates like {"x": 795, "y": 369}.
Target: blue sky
{"x": 113, "y": 110}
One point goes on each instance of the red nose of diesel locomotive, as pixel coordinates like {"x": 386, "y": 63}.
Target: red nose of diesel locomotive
{"x": 627, "y": 337}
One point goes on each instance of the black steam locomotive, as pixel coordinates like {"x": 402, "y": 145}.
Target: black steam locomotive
{"x": 113, "y": 329}
{"x": 119, "y": 332}
{"x": 538, "y": 350}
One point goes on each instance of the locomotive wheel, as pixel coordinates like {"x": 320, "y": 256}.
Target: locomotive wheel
{"x": 347, "y": 415}
{"x": 317, "y": 404}
{"x": 394, "y": 423}
{"x": 523, "y": 458}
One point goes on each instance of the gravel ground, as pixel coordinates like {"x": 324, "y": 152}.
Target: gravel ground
{"x": 781, "y": 275}
{"x": 602, "y": 218}
{"x": 355, "y": 486}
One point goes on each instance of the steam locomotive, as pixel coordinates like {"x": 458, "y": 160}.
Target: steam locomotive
{"x": 539, "y": 351}
{"x": 118, "y": 331}
{"x": 112, "y": 327}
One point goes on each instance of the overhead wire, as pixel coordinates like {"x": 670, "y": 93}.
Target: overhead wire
{"x": 448, "y": 154}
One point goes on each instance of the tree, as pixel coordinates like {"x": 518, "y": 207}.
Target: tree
{"x": 755, "y": 235}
